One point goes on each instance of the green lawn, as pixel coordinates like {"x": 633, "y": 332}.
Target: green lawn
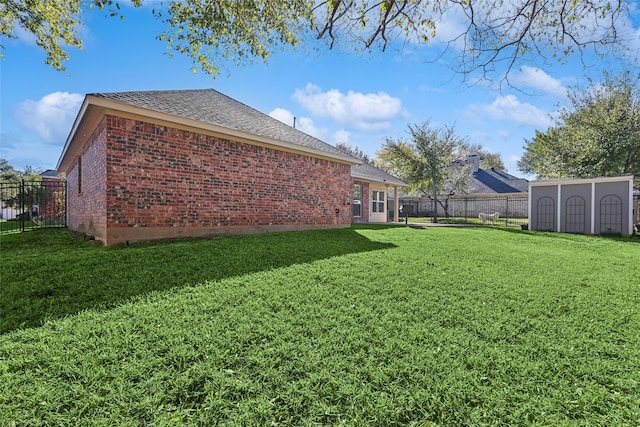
{"x": 511, "y": 222}
{"x": 11, "y": 226}
{"x": 371, "y": 325}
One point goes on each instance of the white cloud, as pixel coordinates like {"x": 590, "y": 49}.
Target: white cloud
{"x": 537, "y": 79}
{"x": 629, "y": 34}
{"x": 341, "y": 136}
{"x": 51, "y": 117}
{"x": 451, "y": 27}
{"x": 285, "y": 116}
{"x": 509, "y": 109}
{"x": 303, "y": 124}
{"x": 25, "y": 36}
{"x": 370, "y": 112}
{"x": 21, "y": 151}
{"x": 504, "y": 135}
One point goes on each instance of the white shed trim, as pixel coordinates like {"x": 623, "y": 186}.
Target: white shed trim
{"x": 559, "y": 183}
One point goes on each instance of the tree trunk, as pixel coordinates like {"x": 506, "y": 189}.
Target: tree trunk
{"x": 445, "y": 207}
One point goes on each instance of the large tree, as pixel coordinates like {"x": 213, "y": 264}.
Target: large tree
{"x": 597, "y": 135}
{"x": 10, "y": 188}
{"x": 488, "y": 160}
{"x": 7, "y": 172}
{"x": 355, "y": 152}
{"x": 426, "y": 162}
{"x": 483, "y": 33}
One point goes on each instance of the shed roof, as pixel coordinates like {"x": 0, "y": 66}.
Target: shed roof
{"x": 205, "y": 109}
{"x": 569, "y": 181}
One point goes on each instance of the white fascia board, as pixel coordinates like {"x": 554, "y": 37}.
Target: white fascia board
{"x": 392, "y": 181}
{"x": 570, "y": 181}
{"x": 114, "y": 107}
{"x": 74, "y": 129}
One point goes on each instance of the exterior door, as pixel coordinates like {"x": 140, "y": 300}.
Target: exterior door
{"x": 378, "y": 205}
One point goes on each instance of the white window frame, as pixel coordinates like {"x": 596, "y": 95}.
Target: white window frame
{"x": 356, "y": 201}
{"x": 377, "y": 201}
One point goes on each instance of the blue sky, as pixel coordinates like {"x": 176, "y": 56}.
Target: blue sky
{"x": 337, "y": 96}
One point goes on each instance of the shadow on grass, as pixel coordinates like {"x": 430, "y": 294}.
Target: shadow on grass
{"x": 48, "y": 274}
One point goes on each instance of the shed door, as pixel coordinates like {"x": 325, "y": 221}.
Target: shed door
{"x": 611, "y": 214}
{"x": 575, "y": 215}
{"x": 545, "y": 214}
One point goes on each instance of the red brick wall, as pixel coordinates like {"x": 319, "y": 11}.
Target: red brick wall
{"x": 52, "y": 209}
{"x": 86, "y": 210}
{"x": 162, "y": 181}
{"x": 365, "y": 202}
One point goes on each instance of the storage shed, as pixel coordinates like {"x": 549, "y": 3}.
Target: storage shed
{"x": 585, "y": 206}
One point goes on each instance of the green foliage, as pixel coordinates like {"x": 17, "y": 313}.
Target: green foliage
{"x": 238, "y": 32}
{"x": 9, "y": 187}
{"x": 7, "y": 172}
{"x": 355, "y": 152}
{"x": 598, "y": 135}
{"x": 213, "y": 33}
{"x": 367, "y": 326}
{"x": 488, "y": 160}
{"x": 54, "y": 23}
{"x": 426, "y": 161}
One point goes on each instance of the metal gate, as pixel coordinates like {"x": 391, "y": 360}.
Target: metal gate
{"x": 26, "y": 205}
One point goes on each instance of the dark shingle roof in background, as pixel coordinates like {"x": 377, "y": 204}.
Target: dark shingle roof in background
{"x": 372, "y": 173}
{"x": 212, "y": 107}
{"x": 494, "y": 181}
{"x": 49, "y": 173}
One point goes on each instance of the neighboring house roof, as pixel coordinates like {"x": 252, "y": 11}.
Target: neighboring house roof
{"x": 202, "y": 109}
{"x": 49, "y": 173}
{"x": 371, "y": 173}
{"x": 495, "y": 181}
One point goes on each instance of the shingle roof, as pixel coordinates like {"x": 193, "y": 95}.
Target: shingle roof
{"x": 212, "y": 107}
{"x": 494, "y": 181}
{"x": 49, "y": 173}
{"x": 372, "y": 173}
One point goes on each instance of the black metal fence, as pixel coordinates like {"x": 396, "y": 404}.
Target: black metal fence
{"x": 26, "y": 205}
{"x": 502, "y": 210}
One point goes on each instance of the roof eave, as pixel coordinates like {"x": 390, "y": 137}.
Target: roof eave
{"x": 73, "y": 131}
{"x": 108, "y": 106}
{"x": 566, "y": 181}
{"x": 371, "y": 179}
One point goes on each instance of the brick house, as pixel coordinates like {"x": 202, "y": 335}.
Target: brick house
{"x": 371, "y": 193}
{"x": 51, "y": 209}
{"x": 186, "y": 163}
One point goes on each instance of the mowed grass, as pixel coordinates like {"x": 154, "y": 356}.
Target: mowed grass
{"x": 363, "y": 326}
